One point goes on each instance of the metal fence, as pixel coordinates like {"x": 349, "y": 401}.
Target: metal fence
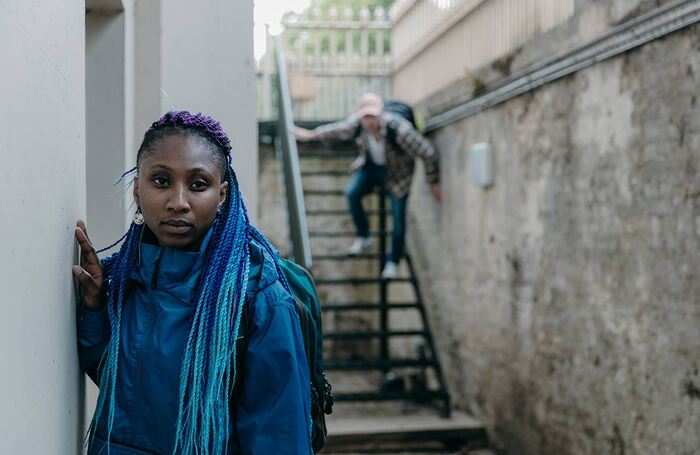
{"x": 332, "y": 58}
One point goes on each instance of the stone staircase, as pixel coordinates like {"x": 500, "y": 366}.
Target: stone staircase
{"x": 379, "y": 351}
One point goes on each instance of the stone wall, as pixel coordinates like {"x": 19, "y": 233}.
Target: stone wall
{"x": 565, "y": 297}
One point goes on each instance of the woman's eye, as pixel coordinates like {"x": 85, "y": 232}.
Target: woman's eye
{"x": 199, "y": 185}
{"x": 159, "y": 180}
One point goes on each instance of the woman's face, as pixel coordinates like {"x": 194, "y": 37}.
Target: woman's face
{"x": 179, "y": 189}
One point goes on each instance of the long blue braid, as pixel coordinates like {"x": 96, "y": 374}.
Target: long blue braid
{"x": 208, "y": 367}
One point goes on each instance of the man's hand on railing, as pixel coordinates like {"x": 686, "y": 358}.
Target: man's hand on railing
{"x": 302, "y": 134}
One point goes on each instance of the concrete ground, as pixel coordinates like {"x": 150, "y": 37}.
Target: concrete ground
{"x": 350, "y": 417}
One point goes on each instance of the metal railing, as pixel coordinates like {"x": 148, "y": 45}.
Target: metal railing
{"x": 662, "y": 21}
{"x": 331, "y": 59}
{"x": 286, "y": 147}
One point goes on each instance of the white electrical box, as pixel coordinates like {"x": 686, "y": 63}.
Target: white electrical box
{"x": 482, "y": 164}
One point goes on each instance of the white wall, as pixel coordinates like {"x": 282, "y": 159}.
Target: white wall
{"x": 208, "y": 66}
{"x": 123, "y": 99}
{"x": 42, "y": 191}
{"x": 105, "y": 120}
{"x": 143, "y": 34}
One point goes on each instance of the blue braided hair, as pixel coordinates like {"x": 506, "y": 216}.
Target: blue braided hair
{"x": 209, "y": 361}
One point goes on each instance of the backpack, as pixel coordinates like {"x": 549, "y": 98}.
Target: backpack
{"x": 402, "y": 110}
{"x": 308, "y": 308}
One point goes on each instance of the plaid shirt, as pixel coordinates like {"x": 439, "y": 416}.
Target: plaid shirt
{"x": 400, "y": 160}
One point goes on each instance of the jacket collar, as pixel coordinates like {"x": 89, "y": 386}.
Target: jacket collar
{"x": 168, "y": 267}
{"x": 177, "y": 268}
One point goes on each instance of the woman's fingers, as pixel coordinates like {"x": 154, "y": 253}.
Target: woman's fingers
{"x": 89, "y": 261}
{"x": 83, "y": 227}
{"x": 87, "y": 282}
{"x": 90, "y": 272}
{"x": 91, "y": 291}
{"x": 84, "y": 278}
{"x": 87, "y": 251}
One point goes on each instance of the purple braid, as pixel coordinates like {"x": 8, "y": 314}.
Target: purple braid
{"x": 186, "y": 124}
{"x": 200, "y": 122}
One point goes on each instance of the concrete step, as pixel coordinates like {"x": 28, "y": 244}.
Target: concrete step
{"x": 343, "y": 234}
{"x": 376, "y": 364}
{"x": 341, "y": 212}
{"x": 360, "y": 281}
{"x": 345, "y": 433}
{"x": 367, "y": 306}
{"x": 327, "y": 154}
{"x": 356, "y": 335}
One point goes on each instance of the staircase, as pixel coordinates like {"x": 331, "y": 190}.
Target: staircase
{"x": 378, "y": 346}
{"x": 360, "y": 289}
{"x": 379, "y": 350}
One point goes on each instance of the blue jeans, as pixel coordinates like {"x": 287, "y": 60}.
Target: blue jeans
{"x": 361, "y": 183}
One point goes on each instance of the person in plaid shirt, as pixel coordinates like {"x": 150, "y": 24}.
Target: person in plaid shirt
{"x": 381, "y": 162}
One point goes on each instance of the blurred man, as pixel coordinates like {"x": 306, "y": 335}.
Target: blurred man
{"x": 388, "y": 144}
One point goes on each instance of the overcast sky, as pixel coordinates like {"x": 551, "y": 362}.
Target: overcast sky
{"x": 270, "y": 12}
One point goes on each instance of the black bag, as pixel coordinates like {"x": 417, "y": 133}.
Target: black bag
{"x": 402, "y": 109}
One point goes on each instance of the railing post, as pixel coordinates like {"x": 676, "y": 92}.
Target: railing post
{"x": 364, "y": 33}
{"x": 267, "y": 86}
{"x": 298, "y": 229}
{"x": 383, "y": 284}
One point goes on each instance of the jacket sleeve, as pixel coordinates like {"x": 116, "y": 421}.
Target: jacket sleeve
{"x": 342, "y": 130}
{"x": 273, "y": 415}
{"x": 93, "y": 337}
{"x": 416, "y": 144}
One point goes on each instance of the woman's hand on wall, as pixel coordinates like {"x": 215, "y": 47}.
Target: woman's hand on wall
{"x": 89, "y": 273}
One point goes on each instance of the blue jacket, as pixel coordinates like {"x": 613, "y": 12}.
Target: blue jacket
{"x": 273, "y": 415}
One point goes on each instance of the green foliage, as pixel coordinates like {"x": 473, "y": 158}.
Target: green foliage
{"x": 341, "y": 5}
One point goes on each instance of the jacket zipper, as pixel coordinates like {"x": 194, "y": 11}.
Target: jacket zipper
{"x": 156, "y": 268}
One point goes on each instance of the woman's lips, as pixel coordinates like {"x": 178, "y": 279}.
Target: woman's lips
{"x": 177, "y": 227}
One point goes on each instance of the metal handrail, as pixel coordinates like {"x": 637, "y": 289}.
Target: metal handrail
{"x": 286, "y": 146}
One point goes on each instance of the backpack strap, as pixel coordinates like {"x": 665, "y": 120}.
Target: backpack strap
{"x": 244, "y": 331}
{"x": 391, "y": 127}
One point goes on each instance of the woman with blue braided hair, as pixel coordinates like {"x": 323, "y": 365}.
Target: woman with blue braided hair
{"x": 159, "y": 321}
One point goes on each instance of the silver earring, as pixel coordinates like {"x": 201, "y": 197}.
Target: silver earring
{"x": 138, "y": 217}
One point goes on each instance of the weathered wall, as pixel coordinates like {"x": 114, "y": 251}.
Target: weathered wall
{"x": 591, "y": 20}
{"x": 565, "y": 298}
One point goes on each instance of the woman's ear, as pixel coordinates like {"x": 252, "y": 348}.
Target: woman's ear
{"x": 223, "y": 189}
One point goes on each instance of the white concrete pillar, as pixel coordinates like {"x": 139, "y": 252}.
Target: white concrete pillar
{"x": 42, "y": 191}
{"x": 106, "y": 128}
{"x": 208, "y": 66}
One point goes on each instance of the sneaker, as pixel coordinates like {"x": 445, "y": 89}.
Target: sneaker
{"x": 360, "y": 245}
{"x": 390, "y": 271}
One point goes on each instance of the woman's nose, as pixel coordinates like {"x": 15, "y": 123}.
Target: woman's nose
{"x": 178, "y": 201}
